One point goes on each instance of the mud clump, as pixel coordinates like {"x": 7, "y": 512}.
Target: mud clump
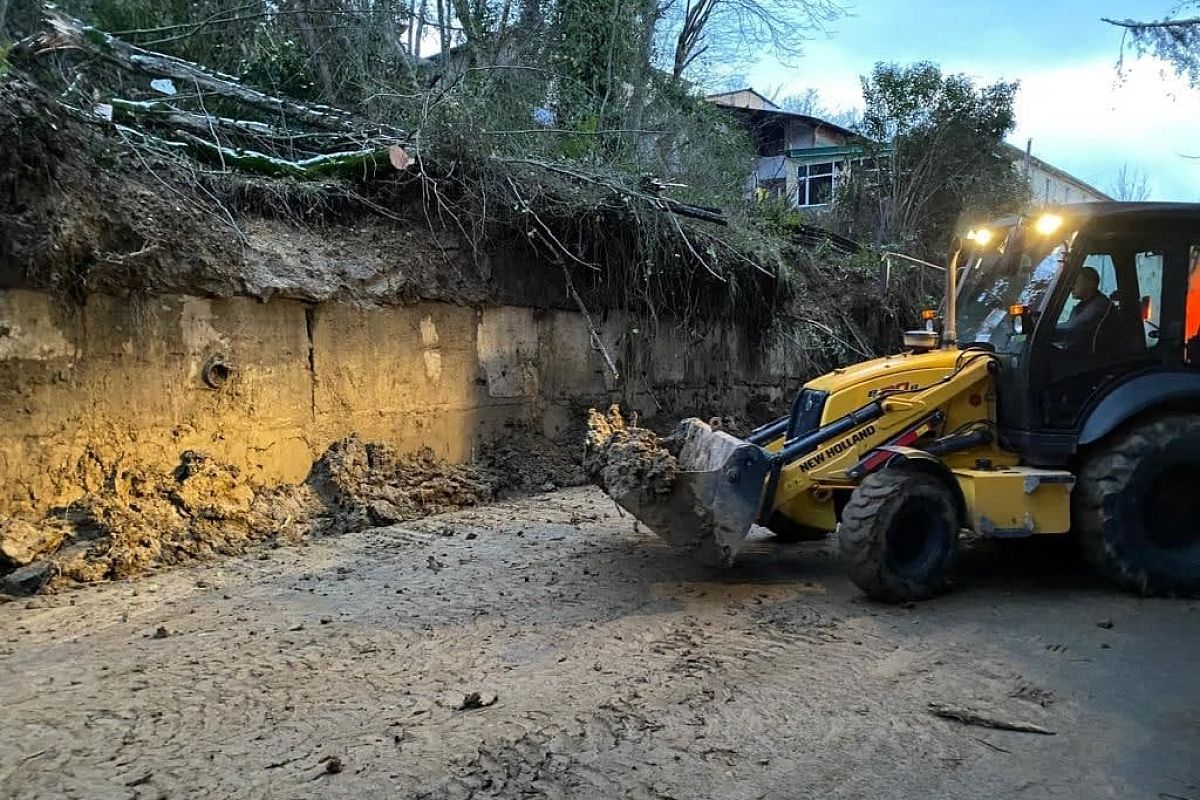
{"x": 523, "y": 462}
{"x": 138, "y": 518}
{"x": 623, "y": 459}
{"x": 146, "y": 519}
{"x": 22, "y": 542}
{"x": 365, "y": 484}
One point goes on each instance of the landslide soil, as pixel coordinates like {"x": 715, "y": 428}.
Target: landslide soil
{"x": 145, "y": 519}
{"x": 605, "y": 666}
{"x": 83, "y": 210}
{"x": 624, "y": 459}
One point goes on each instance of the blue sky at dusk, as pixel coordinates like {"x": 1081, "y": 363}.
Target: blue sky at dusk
{"x": 1081, "y": 116}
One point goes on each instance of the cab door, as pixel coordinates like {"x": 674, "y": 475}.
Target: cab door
{"x": 1140, "y": 328}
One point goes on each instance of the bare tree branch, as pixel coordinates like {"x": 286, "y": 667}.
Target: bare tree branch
{"x": 1132, "y": 24}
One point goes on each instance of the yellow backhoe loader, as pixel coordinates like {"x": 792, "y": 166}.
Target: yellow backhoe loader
{"x": 1058, "y": 391}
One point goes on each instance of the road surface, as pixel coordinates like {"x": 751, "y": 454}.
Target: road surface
{"x": 592, "y": 662}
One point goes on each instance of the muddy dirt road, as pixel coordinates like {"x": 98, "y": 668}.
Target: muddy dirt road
{"x": 604, "y": 667}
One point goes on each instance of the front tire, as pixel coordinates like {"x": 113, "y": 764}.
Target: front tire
{"x": 1137, "y": 507}
{"x": 898, "y": 535}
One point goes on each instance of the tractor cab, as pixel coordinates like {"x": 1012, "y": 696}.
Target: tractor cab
{"x": 1093, "y": 314}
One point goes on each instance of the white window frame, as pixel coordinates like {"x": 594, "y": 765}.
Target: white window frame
{"x": 804, "y": 177}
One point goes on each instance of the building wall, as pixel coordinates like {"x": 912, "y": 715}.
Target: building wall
{"x": 86, "y": 388}
{"x": 1050, "y": 188}
{"x": 800, "y": 136}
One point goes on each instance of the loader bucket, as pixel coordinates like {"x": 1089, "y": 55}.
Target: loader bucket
{"x": 715, "y": 497}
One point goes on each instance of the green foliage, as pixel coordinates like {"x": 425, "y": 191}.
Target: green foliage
{"x": 777, "y": 217}
{"x": 597, "y": 53}
{"x": 933, "y": 153}
{"x": 338, "y": 52}
{"x": 280, "y": 65}
{"x": 127, "y": 15}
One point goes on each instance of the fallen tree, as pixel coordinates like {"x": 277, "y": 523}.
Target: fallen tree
{"x": 68, "y": 33}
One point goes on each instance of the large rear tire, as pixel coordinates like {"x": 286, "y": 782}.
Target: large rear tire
{"x": 1137, "y": 507}
{"x": 898, "y": 535}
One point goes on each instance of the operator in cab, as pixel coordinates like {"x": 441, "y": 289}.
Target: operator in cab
{"x": 1082, "y": 329}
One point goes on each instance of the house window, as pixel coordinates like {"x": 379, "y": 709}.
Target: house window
{"x": 814, "y": 184}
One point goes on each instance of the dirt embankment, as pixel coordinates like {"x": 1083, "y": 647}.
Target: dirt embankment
{"x": 144, "y": 519}
{"x": 84, "y": 209}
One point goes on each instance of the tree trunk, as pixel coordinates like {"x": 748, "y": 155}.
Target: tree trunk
{"x": 352, "y": 165}
{"x": 163, "y": 115}
{"x": 316, "y": 54}
{"x": 70, "y": 33}
{"x": 643, "y": 74}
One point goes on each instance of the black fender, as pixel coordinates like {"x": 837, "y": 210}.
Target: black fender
{"x": 911, "y": 458}
{"x": 1136, "y": 396}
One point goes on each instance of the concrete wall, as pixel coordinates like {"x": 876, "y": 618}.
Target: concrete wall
{"x": 86, "y": 388}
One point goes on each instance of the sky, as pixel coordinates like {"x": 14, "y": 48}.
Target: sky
{"x": 1082, "y": 116}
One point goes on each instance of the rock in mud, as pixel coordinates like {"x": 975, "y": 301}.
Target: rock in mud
{"x": 474, "y": 700}
{"x": 23, "y": 542}
{"x": 27, "y": 580}
{"x": 623, "y": 458}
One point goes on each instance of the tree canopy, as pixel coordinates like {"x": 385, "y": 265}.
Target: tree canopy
{"x": 933, "y": 152}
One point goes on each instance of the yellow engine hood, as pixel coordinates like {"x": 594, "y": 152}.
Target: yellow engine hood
{"x": 853, "y": 386}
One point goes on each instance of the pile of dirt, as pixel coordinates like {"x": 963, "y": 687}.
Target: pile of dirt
{"x": 523, "y": 461}
{"x": 365, "y": 484}
{"x": 82, "y": 214}
{"x": 85, "y": 210}
{"x": 623, "y": 459}
{"x": 143, "y": 519}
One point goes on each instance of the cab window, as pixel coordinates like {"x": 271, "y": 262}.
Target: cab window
{"x": 1149, "y": 266}
{"x": 1114, "y": 305}
{"x": 1103, "y": 264}
{"x": 1109, "y": 323}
